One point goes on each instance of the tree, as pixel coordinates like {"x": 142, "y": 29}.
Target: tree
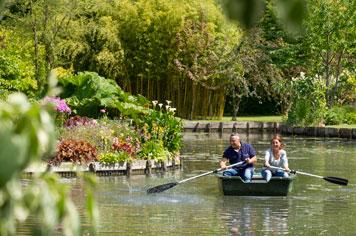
{"x": 42, "y": 22}
{"x": 16, "y": 69}
{"x": 330, "y": 42}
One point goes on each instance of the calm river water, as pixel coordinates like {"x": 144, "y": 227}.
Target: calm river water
{"x": 313, "y": 207}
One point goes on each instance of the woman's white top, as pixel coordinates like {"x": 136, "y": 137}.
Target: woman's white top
{"x": 281, "y": 162}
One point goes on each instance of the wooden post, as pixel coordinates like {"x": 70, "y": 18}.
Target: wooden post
{"x": 196, "y": 127}
{"x": 234, "y": 127}
{"x": 148, "y": 169}
{"x": 128, "y": 169}
{"x": 164, "y": 165}
{"x": 221, "y": 127}
{"x": 247, "y": 128}
{"x": 173, "y": 162}
{"x": 207, "y": 128}
{"x": 92, "y": 167}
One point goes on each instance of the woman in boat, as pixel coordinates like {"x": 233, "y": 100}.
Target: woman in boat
{"x": 275, "y": 156}
{"x": 239, "y": 152}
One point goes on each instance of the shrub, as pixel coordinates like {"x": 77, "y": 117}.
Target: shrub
{"x": 308, "y": 101}
{"x": 154, "y": 149}
{"x": 340, "y": 115}
{"x": 79, "y": 152}
{"x": 335, "y": 116}
{"x": 161, "y": 124}
{"x": 88, "y": 93}
{"x": 114, "y": 157}
{"x": 124, "y": 145}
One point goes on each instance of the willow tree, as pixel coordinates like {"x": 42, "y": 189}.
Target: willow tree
{"x": 92, "y": 41}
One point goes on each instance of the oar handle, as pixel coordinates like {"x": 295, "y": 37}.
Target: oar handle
{"x": 334, "y": 180}
{"x": 211, "y": 172}
{"x": 228, "y": 167}
{"x": 296, "y": 172}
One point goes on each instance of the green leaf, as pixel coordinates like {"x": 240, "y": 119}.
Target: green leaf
{"x": 12, "y": 154}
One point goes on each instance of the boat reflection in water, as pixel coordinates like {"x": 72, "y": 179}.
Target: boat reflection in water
{"x": 250, "y": 216}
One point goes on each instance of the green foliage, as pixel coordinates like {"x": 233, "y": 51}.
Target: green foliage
{"x": 330, "y": 42}
{"x": 45, "y": 198}
{"x": 154, "y": 150}
{"x": 27, "y": 135}
{"x": 114, "y": 157}
{"x": 248, "y": 12}
{"x": 153, "y": 48}
{"x": 16, "y": 70}
{"x": 346, "y": 90}
{"x": 308, "y": 101}
{"x": 207, "y": 47}
{"x": 340, "y": 115}
{"x": 87, "y": 93}
{"x": 91, "y": 42}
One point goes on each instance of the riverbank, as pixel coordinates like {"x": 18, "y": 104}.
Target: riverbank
{"x": 70, "y": 169}
{"x": 274, "y": 127}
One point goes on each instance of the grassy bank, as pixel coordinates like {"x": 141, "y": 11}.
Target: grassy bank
{"x": 247, "y": 118}
{"x": 353, "y": 126}
{"x": 269, "y": 119}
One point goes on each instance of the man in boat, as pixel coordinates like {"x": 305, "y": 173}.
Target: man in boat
{"x": 239, "y": 152}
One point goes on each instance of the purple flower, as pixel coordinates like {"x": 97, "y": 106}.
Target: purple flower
{"x": 61, "y": 105}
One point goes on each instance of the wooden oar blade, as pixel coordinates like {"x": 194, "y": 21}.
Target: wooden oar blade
{"x": 161, "y": 188}
{"x": 336, "y": 180}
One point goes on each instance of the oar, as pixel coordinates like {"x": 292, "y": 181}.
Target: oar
{"x": 334, "y": 180}
{"x": 163, "y": 187}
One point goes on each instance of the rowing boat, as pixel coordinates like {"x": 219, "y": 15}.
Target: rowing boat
{"x": 234, "y": 185}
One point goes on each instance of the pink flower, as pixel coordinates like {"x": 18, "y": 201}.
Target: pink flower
{"x": 61, "y": 105}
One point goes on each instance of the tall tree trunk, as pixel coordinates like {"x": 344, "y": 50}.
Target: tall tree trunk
{"x": 235, "y": 108}
{"x": 337, "y": 76}
{"x": 36, "y": 59}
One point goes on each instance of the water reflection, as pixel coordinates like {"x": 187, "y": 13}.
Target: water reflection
{"x": 255, "y": 215}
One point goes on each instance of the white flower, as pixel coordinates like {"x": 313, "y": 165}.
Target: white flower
{"x": 167, "y": 107}
{"x": 168, "y": 102}
{"x": 154, "y": 103}
{"x": 160, "y": 105}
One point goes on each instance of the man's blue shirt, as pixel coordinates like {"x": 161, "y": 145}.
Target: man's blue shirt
{"x": 246, "y": 151}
